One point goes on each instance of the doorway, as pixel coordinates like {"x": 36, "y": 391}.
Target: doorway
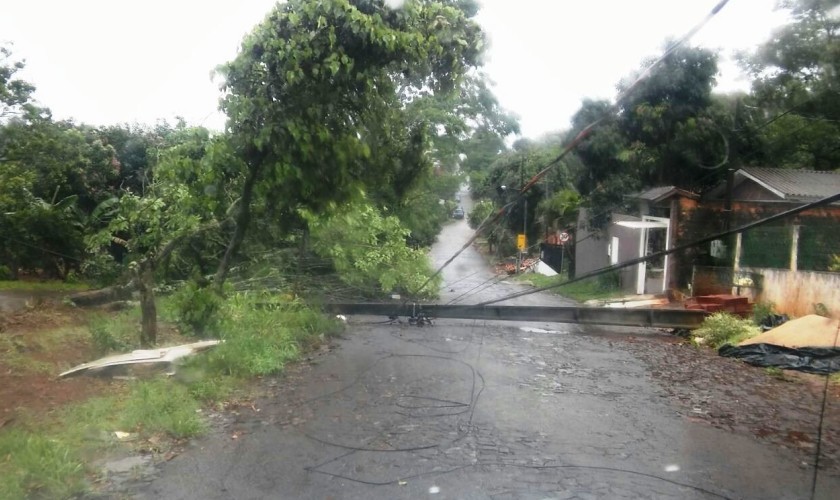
{"x": 652, "y": 276}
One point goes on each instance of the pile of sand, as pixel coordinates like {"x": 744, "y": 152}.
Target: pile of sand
{"x": 807, "y": 331}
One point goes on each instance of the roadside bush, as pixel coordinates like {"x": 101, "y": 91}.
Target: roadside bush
{"x": 368, "y": 250}
{"x": 101, "y": 270}
{"x": 762, "y": 311}
{"x": 262, "y": 333}
{"x": 197, "y": 309}
{"x": 721, "y": 328}
{"x": 112, "y": 333}
{"x": 480, "y": 212}
{"x": 5, "y": 273}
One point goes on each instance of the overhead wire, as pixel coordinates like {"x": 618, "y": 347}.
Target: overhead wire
{"x": 583, "y": 134}
{"x": 468, "y": 292}
{"x": 820, "y": 425}
{"x": 597, "y": 272}
{"x": 477, "y": 387}
{"x": 760, "y": 127}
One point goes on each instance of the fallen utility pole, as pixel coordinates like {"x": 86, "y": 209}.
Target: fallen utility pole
{"x": 654, "y": 318}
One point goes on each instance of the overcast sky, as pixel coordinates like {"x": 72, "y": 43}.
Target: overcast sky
{"x": 107, "y": 61}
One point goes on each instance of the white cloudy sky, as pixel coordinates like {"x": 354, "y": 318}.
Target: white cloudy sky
{"x": 107, "y": 61}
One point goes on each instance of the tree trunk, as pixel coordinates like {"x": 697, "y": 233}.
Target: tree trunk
{"x": 242, "y": 221}
{"x": 146, "y": 286}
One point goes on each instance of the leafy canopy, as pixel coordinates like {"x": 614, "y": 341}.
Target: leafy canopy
{"x": 317, "y": 83}
{"x": 368, "y": 249}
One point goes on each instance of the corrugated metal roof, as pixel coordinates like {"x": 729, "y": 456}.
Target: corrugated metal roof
{"x": 655, "y": 193}
{"x": 660, "y": 193}
{"x": 796, "y": 185}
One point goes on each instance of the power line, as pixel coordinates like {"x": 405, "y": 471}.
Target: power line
{"x": 782, "y": 215}
{"x": 818, "y": 450}
{"x": 583, "y": 134}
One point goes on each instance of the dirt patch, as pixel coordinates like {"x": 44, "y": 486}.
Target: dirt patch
{"x": 729, "y": 394}
{"x": 45, "y": 315}
{"x": 39, "y": 393}
{"x": 35, "y": 344}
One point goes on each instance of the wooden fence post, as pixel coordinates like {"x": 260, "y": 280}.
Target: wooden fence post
{"x": 794, "y": 248}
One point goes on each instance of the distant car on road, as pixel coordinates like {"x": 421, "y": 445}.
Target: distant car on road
{"x": 458, "y": 198}
{"x": 458, "y": 213}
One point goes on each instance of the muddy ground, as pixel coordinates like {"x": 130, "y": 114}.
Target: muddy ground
{"x": 728, "y": 394}
{"x": 32, "y": 354}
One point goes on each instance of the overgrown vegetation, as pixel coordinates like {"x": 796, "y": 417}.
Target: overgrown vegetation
{"x": 262, "y": 333}
{"x": 44, "y": 456}
{"x": 34, "y": 465}
{"x": 762, "y": 311}
{"x": 720, "y": 328}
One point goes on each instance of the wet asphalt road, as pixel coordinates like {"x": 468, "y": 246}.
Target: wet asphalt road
{"x": 472, "y": 409}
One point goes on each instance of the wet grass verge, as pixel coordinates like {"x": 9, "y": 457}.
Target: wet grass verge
{"x": 48, "y": 454}
{"x": 42, "y": 286}
{"x": 596, "y": 288}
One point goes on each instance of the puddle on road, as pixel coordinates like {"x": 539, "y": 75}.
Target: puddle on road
{"x": 124, "y": 472}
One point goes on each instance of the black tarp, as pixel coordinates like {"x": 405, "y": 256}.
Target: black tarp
{"x": 822, "y": 360}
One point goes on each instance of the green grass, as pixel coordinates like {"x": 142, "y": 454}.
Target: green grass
{"x": 45, "y": 286}
{"x": 115, "y": 331}
{"x": 263, "y": 333}
{"x": 596, "y": 288}
{"x": 45, "y": 456}
{"x": 19, "y": 352}
{"x": 162, "y": 406}
{"x": 36, "y": 466}
{"x": 85, "y": 426}
{"x": 775, "y": 372}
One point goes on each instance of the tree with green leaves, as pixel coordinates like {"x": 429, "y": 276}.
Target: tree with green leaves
{"x": 316, "y": 84}
{"x": 468, "y": 127}
{"x": 512, "y": 169}
{"x": 15, "y": 94}
{"x": 369, "y": 251}
{"x": 666, "y": 132}
{"x": 797, "y": 86}
{"x": 52, "y": 174}
{"x": 175, "y": 207}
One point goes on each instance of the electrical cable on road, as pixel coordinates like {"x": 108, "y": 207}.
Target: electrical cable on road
{"x": 495, "y": 280}
{"x": 583, "y": 134}
{"x": 476, "y": 391}
{"x": 818, "y": 450}
{"x": 465, "y": 430}
{"x": 597, "y": 272}
{"x": 448, "y": 285}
